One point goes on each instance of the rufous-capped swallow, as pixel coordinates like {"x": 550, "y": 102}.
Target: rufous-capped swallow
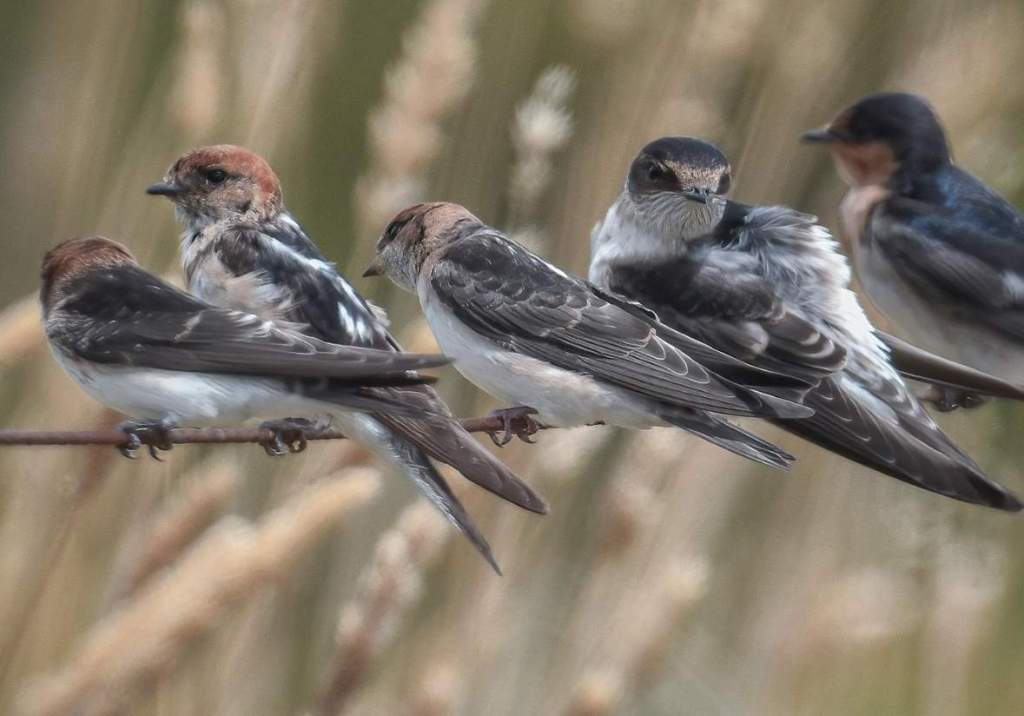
{"x": 940, "y": 253}
{"x": 555, "y": 346}
{"x": 768, "y": 286}
{"x": 151, "y": 351}
{"x": 241, "y": 248}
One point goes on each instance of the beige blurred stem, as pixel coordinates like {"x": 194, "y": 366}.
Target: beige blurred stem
{"x": 20, "y": 330}
{"x": 542, "y": 127}
{"x": 163, "y": 538}
{"x": 597, "y": 694}
{"x": 436, "y": 691}
{"x": 428, "y": 83}
{"x": 20, "y": 615}
{"x": 389, "y": 587}
{"x": 198, "y": 93}
{"x": 635, "y": 662}
{"x": 236, "y": 560}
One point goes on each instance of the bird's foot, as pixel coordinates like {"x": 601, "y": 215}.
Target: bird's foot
{"x": 947, "y": 399}
{"x": 156, "y": 436}
{"x": 516, "y": 423}
{"x": 288, "y": 435}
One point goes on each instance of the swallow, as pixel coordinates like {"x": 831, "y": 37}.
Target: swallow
{"x": 938, "y": 252}
{"x": 241, "y": 248}
{"x": 767, "y": 285}
{"x": 149, "y": 350}
{"x": 563, "y": 350}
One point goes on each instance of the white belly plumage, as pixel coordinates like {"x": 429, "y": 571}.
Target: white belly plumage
{"x": 186, "y": 398}
{"x": 561, "y": 398}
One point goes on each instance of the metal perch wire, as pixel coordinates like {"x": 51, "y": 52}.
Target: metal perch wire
{"x": 491, "y": 424}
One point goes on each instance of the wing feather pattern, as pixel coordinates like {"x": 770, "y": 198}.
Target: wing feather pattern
{"x": 527, "y": 306}
{"x": 862, "y": 412}
{"x": 329, "y": 308}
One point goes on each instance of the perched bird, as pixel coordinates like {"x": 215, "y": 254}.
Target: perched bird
{"x": 556, "y": 346}
{"x": 242, "y": 249}
{"x": 767, "y": 285}
{"x": 939, "y": 252}
{"x": 154, "y": 352}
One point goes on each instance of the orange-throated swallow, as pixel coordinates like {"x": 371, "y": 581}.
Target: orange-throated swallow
{"x": 939, "y": 252}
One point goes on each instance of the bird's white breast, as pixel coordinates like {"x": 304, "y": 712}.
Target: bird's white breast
{"x": 619, "y": 239}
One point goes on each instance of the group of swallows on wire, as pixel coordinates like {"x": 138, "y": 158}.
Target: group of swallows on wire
{"x": 697, "y": 308}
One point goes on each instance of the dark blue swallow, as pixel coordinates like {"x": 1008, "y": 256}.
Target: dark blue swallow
{"x": 938, "y": 251}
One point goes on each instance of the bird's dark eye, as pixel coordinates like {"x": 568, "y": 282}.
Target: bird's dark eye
{"x": 215, "y": 176}
{"x": 656, "y": 172}
{"x": 391, "y": 232}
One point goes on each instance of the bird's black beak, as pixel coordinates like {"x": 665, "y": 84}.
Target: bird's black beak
{"x": 165, "y": 188}
{"x": 820, "y": 136}
{"x": 374, "y": 269}
{"x": 698, "y": 195}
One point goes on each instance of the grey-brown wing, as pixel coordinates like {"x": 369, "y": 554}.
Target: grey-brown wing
{"x": 874, "y": 420}
{"x": 221, "y": 341}
{"x": 128, "y": 316}
{"x": 736, "y": 311}
{"x": 527, "y": 306}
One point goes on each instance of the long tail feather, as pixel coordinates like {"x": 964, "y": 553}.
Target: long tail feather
{"x": 731, "y": 437}
{"x": 413, "y": 463}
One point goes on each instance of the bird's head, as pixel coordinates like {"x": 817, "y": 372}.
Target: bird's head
{"x": 73, "y": 258}
{"x": 676, "y": 187}
{"x": 413, "y": 235}
{"x": 876, "y": 136}
{"x": 222, "y": 181}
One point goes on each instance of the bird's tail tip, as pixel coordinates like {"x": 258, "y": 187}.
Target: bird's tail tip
{"x": 731, "y": 437}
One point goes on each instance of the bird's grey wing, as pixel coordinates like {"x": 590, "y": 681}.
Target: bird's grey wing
{"x": 863, "y": 414}
{"x": 322, "y": 301}
{"x": 221, "y": 341}
{"x": 959, "y": 266}
{"x": 918, "y": 364}
{"x": 132, "y": 318}
{"x": 527, "y": 306}
{"x": 734, "y": 310}
{"x": 873, "y": 419}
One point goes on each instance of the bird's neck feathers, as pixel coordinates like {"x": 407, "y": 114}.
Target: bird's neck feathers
{"x": 926, "y": 149}
{"x": 259, "y": 210}
{"x": 649, "y": 230}
{"x": 792, "y": 247}
{"x": 670, "y": 217}
{"x": 800, "y": 257}
{"x": 924, "y": 157}
{"x": 200, "y": 231}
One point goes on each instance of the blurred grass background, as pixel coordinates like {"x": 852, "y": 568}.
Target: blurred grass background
{"x": 670, "y": 577}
